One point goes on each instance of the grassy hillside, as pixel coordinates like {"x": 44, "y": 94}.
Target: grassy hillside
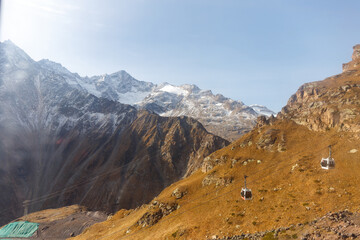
{"x": 282, "y": 159}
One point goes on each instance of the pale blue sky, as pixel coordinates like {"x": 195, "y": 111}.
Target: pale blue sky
{"x": 256, "y": 51}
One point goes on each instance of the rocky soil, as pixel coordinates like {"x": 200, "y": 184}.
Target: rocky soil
{"x": 64, "y": 222}
{"x": 332, "y": 226}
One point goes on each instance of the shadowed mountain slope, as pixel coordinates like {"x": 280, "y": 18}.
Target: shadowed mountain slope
{"x": 60, "y": 145}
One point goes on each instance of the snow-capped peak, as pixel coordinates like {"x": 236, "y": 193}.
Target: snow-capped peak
{"x": 14, "y": 56}
{"x": 219, "y": 114}
{"x": 56, "y": 67}
{"x": 119, "y": 86}
{"x": 262, "y": 110}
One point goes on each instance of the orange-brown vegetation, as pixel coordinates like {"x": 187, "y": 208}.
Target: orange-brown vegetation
{"x": 281, "y": 156}
{"x": 288, "y": 187}
{"x": 50, "y": 215}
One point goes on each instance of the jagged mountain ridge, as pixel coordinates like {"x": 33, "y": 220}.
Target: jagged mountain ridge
{"x": 220, "y": 115}
{"x": 56, "y": 135}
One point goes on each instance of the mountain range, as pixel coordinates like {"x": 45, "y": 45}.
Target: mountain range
{"x": 222, "y": 116}
{"x": 61, "y": 145}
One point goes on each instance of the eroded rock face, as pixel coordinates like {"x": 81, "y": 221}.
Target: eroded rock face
{"x": 213, "y": 178}
{"x": 209, "y": 163}
{"x": 156, "y": 212}
{"x": 268, "y": 139}
{"x": 355, "y": 63}
{"x": 263, "y": 121}
{"x": 332, "y": 103}
{"x": 272, "y": 140}
{"x": 179, "y": 193}
{"x": 320, "y": 109}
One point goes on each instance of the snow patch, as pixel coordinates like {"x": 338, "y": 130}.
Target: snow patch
{"x": 173, "y": 89}
{"x": 262, "y": 110}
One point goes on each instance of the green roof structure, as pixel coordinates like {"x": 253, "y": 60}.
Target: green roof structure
{"x": 18, "y": 230}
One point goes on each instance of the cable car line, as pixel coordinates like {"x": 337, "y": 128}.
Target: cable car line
{"x": 72, "y": 187}
{"x": 54, "y": 194}
{"x": 196, "y": 206}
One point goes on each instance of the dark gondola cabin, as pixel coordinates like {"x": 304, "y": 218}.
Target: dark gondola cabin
{"x": 246, "y": 193}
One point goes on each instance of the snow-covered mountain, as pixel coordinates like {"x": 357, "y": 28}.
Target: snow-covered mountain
{"x": 220, "y": 115}
{"x": 36, "y": 96}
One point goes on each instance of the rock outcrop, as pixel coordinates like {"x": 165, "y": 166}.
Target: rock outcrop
{"x": 157, "y": 210}
{"x": 355, "y": 63}
{"x": 218, "y": 181}
{"x": 332, "y": 103}
{"x": 337, "y": 225}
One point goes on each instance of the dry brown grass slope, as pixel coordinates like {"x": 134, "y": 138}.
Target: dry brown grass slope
{"x": 282, "y": 159}
{"x": 289, "y": 187}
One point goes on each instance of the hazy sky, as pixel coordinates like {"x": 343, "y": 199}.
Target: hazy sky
{"x": 255, "y": 51}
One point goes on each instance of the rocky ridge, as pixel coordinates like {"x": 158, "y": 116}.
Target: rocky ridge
{"x": 220, "y": 115}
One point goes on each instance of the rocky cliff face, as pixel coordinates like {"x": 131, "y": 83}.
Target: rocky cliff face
{"x": 355, "y": 63}
{"x": 332, "y": 103}
{"x": 131, "y": 167}
{"x": 60, "y": 145}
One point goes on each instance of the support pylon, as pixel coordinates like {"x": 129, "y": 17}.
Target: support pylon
{"x": 26, "y": 204}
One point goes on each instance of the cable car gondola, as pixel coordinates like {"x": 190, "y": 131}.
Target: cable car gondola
{"x": 246, "y": 193}
{"x": 328, "y": 163}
